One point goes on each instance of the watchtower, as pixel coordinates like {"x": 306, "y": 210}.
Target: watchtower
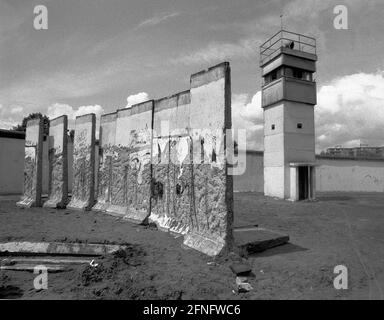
{"x": 288, "y": 63}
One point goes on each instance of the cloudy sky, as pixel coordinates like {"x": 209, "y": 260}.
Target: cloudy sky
{"x": 99, "y": 55}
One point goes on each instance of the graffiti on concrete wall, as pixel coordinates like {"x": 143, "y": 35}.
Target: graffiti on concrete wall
{"x": 172, "y": 205}
{"x": 32, "y": 165}
{"x": 58, "y": 164}
{"x": 83, "y": 163}
{"x": 191, "y": 190}
{"x": 107, "y": 154}
{"x": 105, "y": 181}
{"x": 131, "y": 163}
{"x": 176, "y": 177}
{"x": 213, "y": 187}
{"x": 30, "y": 169}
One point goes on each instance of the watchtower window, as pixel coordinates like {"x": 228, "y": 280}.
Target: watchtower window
{"x": 299, "y": 126}
{"x": 273, "y": 75}
{"x": 289, "y": 72}
{"x": 298, "y": 73}
{"x": 273, "y": 127}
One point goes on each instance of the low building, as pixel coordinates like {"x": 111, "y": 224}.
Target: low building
{"x": 361, "y": 152}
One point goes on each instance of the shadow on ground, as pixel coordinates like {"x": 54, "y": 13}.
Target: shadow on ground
{"x": 280, "y": 250}
{"x": 10, "y": 292}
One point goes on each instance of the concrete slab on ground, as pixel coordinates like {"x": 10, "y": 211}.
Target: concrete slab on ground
{"x": 31, "y": 268}
{"x": 57, "y": 248}
{"x": 253, "y": 239}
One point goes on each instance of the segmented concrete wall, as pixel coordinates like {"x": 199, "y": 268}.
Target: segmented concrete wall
{"x": 33, "y": 164}
{"x": 210, "y": 230}
{"x": 58, "y": 163}
{"x": 83, "y": 183}
{"x": 162, "y": 161}
{"x": 349, "y": 175}
{"x": 131, "y": 168}
{"x": 107, "y": 152}
{"x": 187, "y": 188}
{"x": 172, "y": 202}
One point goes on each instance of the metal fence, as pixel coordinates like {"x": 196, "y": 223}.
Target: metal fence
{"x": 286, "y": 39}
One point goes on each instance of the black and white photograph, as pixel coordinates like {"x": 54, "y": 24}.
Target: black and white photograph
{"x": 191, "y": 156}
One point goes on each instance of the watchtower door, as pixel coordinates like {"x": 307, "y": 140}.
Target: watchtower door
{"x": 304, "y": 182}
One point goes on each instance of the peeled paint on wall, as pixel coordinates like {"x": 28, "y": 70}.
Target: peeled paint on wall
{"x": 172, "y": 184}
{"x": 33, "y": 165}
{"x": 211, "y": 228}
{"x": 83, "y": 163}
{"x": 177, "y": 174}
{"x": 131, "y": 167}
{"x": 58, "y": 163}
{"x": 191, "y": 190}
{"x": 107, "y": 152}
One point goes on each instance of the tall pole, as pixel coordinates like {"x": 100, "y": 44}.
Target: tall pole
{"x": 281, "y": 29}
{"x": 281, "y": 22}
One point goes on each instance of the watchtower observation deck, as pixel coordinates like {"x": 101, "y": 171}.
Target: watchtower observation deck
{"x": 288, "y": 63}
{"x": 289, "y": 43}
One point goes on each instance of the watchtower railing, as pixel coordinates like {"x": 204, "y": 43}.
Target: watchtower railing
{"x": 286, "y": 39}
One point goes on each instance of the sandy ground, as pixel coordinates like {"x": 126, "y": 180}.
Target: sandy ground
{"x": 338, "y": 229}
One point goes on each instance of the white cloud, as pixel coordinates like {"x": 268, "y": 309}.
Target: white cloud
{"x": 157, "y": 19}
{"x": 96, "y": 109}
{"x": 7, "y": 124}
{"x": 16, "y": 109}
{"x": 137, "y": 98}
{"x": 247, "y": 114}
{"x": 38, "y": 90}
{"x": 58, "y": 109}
{"x": 10, "y": 116}
{"x": 350, "y": 110}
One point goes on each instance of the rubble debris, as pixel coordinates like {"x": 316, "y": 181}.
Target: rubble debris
{"x": 240, "y": 268}
{"x": 93, "y": 263}
{"x": 242, "y": 285}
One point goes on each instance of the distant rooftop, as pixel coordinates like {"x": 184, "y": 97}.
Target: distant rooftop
{"x": 4, "y": 133}
{"x": 285, "y": 40}
{"x": 362, "y": 146}
{"x": 323, "y": 155}
{"x": 364, "y": 151}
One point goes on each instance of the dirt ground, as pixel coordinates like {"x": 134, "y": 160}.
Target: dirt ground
{"x": 338, "y": 229}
